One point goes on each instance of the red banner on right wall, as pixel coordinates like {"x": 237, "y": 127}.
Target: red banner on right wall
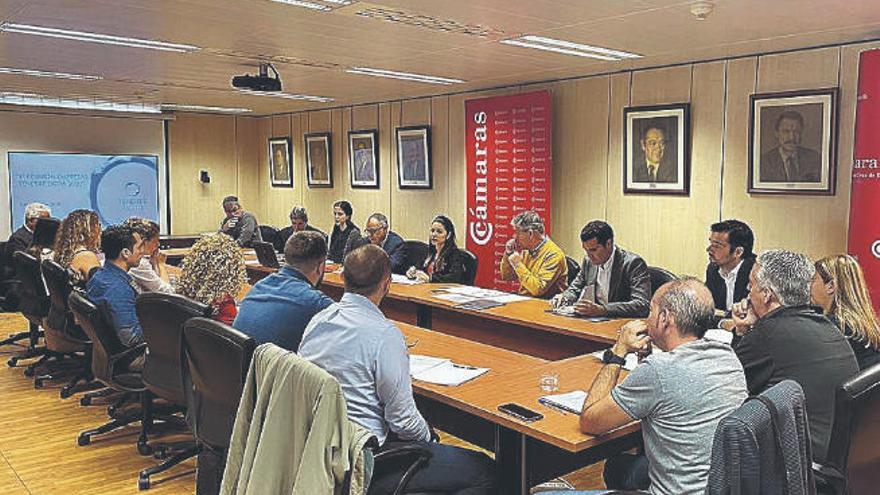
{"x": 864, "y": 210}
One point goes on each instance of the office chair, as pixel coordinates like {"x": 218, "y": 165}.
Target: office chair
{"x": 659, "y": 276}
{"x": 34, "y": 305}
{"x": 471, "y": 264}
{"x": 573, "y": 268}
{"x": 853, "y": 462}
{"x": 416, "y": 253}
{"x": 215, "y": 365}
{"x": 269, "y": 234}
{"x": 162, "y": 317}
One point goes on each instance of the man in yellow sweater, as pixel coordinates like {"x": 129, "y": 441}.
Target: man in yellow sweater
{"x": 533, "y": 259}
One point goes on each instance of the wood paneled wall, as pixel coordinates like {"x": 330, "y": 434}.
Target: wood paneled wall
{"x": 587, "y": 176}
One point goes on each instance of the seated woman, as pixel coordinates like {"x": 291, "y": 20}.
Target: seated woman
{"x": 343, "y": 229}
{"x": 213, "y": 273}
{"x": 445, "y": 262}
{"x": 77, "y": 246}
{"x": 839, "y": 288}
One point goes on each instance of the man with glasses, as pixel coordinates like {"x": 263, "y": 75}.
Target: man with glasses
{"x": 239, "y": 224}
{"x": 378, "y": 234}
{"x": 533, "y": 259}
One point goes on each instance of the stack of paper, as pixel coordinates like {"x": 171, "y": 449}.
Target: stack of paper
{"x": 402, "y": 279}
{"x": 441, "y": 371}
{"x": 572, "y": 402}
{"x": 467, "y": 294}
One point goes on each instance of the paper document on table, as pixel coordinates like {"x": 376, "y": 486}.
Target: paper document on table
{"x": 450, "y": 374}
{"x": 252, "y": 262}
{"x": 402, "y": 279}
{"x": 419, "y": 364}
{"x": 509, "y": 298}
{"x": 456, "y": 298}
{"x": 572, "y": 402}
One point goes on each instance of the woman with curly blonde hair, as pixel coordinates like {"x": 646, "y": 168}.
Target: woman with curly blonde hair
{"x": 213, "y": 273}
{"x": 839, "y": 288}
{"x": 78, "y": 244}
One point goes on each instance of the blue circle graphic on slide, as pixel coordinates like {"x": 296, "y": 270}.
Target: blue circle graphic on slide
{"x": 123, "y": 187}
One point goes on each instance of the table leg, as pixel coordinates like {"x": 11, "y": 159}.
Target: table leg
{"x": 511, "y": 461}
{"x": 423, "y": 316}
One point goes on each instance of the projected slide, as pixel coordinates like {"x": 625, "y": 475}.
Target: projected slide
{"x": 115, "y": 186}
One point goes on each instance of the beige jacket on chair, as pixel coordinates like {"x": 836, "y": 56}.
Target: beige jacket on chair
{"x": 292, "y": 435}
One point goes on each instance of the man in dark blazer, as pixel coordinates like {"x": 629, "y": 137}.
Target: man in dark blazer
{"x": 730, "y": 262}
{"x": 299, "y": 222}
{"x": 379, "y": 234}
{"x": 22, "y": 238}
{"x": 790, "y": 162}
{"x": 621, "y": 285}
{"x": 653, "y": 165}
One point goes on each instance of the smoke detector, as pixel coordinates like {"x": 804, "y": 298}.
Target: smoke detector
{"x": 702, "y": 9}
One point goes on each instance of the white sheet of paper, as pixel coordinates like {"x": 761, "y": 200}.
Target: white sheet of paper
{"x": 449, "y": 374}
{"x": 402, "y": 279}
{"x": 456, "y": 298}
{"x": 420, "y": 364}
{"x": 509, "y": 298}
{"x": 572, "y": 402}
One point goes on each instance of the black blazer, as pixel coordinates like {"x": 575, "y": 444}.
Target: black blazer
{"x": 740, "y": 289}
{"x": 20, "y": 240}
{"x": 286, "y": 232}
{"x": 453, "y": 270}
{"x": 629, "y": 291}
{"x": 338, "y": 240}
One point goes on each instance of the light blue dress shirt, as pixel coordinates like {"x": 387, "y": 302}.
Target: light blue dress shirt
{"x": 366, "y": 353}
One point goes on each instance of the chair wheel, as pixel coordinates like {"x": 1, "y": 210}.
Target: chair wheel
{"x": 160, "y": 453}
{"x": 12, "y": 362}
{"x": 111, "y": 410}
{"x": 144, "y": 449}
{"x": 85, "y": 401}
{"x": 83, "y": 440}
{"x": 143, "y": 483}
{"x": 66, "y": 392}
{"x": 38, "y": 383}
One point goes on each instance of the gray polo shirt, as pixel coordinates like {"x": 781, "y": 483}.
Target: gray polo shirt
{"x": 680, "y": 396}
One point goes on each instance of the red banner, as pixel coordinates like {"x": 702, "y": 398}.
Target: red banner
{"x": 508, "y": 145}
{"x": 864, "y": 223}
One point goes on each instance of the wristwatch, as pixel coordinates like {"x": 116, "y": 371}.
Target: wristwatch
{"x": 610, "y": 358}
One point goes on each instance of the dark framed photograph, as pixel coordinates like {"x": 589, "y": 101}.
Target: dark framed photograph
{"x": 319, "y": 172}
{"x": 414, "y": 157}
{"x": 657, "y": 149}
{"x": 793, "y": 142}
{"x": 363, "y": 158}
{"x": 280, "y": 166}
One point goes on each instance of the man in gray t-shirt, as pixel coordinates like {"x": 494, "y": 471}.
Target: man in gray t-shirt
{"x": 679, "y": 395}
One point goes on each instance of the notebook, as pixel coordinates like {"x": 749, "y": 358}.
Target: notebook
{"x": 572, "y": 402}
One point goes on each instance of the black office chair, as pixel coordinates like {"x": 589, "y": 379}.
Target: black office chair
{"x": 573, "y": 268}
{"x": 471, "y": 264}
{"x": 281, "y": 238}
{"x": 853, "y": 462}
{"x": 269, "y": 234}
{"x": 216, "y": 362}
{"x": 416, "y": 253}
{"x": 9, "y": 291}
{"x": 34, "y": 305}
{"x": 659, "y": 276}
{"x": 110, "y": 361}
{"x": 162, "y": 317}
{"x": 64, "y": 338}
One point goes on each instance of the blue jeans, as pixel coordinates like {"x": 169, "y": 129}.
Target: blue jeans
{"x": 451, "y": 470}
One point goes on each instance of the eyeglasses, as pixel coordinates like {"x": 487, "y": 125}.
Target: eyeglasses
{"x": 373, "y": 231}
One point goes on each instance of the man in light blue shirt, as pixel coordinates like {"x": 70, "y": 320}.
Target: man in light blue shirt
{"x": 366, "y": 353}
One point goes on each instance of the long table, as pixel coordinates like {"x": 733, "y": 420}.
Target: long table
{"x": 523, "y": 326}
{"x": 525, "y": 453}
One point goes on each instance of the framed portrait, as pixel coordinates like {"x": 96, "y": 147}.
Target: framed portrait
{"x": 414, "y": 157}
{"x": 792, "y": 142}
{"x": 280, "y": 166}
{"x": 363, "y": 158}
{"x": 318, "y": 160}
{"x": 657, "y": 149}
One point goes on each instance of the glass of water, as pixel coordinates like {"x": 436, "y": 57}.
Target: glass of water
{"x": 549, "y": 381}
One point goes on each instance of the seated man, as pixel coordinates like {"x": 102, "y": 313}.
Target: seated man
{"x": 730, "y": 262}
{"x": 786, "y": 338}
{"x": 353, "y": 341}
{"x": 379, "y": 235}
{"x": 278, "y": 308}
{"x": 239, "y": 224}
{"x": 21, "y": 239}
{"x": 113, "y": 288}
{"x": 533, "y": 258}
{"x": 151, "y": 275}
{"x": 299, "y": 222}
{"x": 618, "y": 282}
{"x": 679, "y": 395}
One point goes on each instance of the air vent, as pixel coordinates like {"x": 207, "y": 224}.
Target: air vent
{"x": 429, "y": 22}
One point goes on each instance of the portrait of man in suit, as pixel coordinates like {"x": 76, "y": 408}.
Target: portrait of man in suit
{"x": 413, "y": 160}
{"x": 651, "y": 162}
{"x": 279, "y": 162}
{"x": 318, "y": 159}
{"x": 788, "y": 161}
{"x": 364, "y": 166}
{"x": 656, "y": 149}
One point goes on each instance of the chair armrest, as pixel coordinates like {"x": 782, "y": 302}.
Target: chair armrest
{"x": 420, "y": 456}
{"x": 127, "y": 356}
{"x": 827, "y": 471}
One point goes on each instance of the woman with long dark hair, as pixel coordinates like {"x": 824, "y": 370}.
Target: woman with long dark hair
{"x": 445, "y": 262}
{"x": 343, "y": 230}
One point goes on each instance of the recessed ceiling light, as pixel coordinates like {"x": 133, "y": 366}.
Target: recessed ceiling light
{"x": 289, "y": 96}
{"x": 407, "y": 76}
{"x": 569, "y": 48}
{"x": 203, "y": 108}
{"x": 38, "y": 100}
{"x": 107, "y": 39}
{"x": 42, "y": 73}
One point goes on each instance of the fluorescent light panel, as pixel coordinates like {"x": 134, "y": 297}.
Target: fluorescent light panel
{"x": 302, "y": 3}
{"x": 289, "y": 96}
{"x": 40, "y": 73}
{"x": 203, "y": 108}
{"x": 406, "y": 76}
{"x": 107, "y": 39}
{"x": 569, "y": 48}
{"x": 38, "y": 100}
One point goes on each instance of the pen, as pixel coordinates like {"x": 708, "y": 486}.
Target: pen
{"x": 463, "y": 366}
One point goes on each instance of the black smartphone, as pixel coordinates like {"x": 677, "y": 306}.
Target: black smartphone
{"x": 520, "y": 412}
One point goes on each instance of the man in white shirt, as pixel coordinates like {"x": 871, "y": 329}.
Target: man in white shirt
{"x": 151, "y": 275}
{"x": 612, "y": 281}
{"x": 366, "y": 353}
{"x": 730, "y": 261}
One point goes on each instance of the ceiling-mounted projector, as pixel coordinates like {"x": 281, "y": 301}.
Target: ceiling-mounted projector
{"x": 260, "y": 82}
